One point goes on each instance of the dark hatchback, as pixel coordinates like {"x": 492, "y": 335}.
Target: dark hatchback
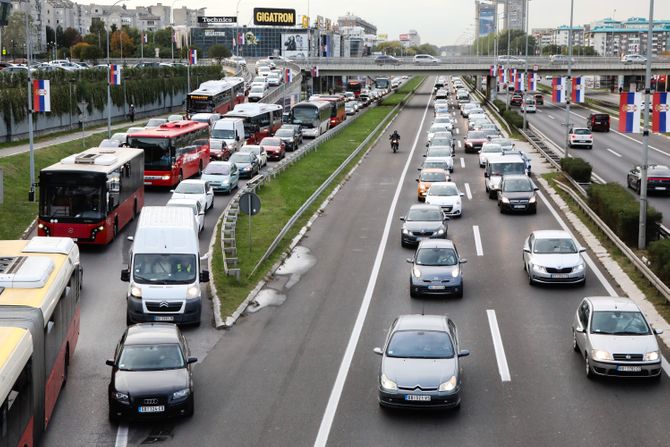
{"x": 423, "y": 222}
{"x": 658, "y": 179}
{"x": 151, "y": 375}
{"x": 598, "y": 122}
{"x": 517, "y": 194}
{"x": 290, "y": 136}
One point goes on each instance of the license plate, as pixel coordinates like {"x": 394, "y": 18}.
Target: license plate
{"x": 164, "y": 318}
{"x": 519, "y": 206}
{"x": 415, "y": 397}
{"x": 436, "y": 287}
{"x": 147, "y": 183}
{"x": 151, "y": 409}
{"x": 628, "y": 368}
{"x": 660, "y": 188}
{"x": 559, "y": 275}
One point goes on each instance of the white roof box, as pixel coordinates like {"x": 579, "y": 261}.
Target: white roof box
{"x": 25, "y": 272}
{"x": 41, "y": 244}
{"x": 103, "y": 158}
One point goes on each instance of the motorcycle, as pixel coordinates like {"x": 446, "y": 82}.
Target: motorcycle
{"x": 395, "y": 144}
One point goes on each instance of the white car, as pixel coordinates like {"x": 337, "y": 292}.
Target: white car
{"x": 435, "y": 128}
{"x": 426, "y": 59}
{"x": 274, "y": 79}
{"x": 264, "y": 70}
{"x": 108, "y": 142}
{"x": 194, "y": 204}
{"x": 199, "y": 190}
{"x": 633, "y": 59}
{"x": 441, "y": 153}
{"x": 553, "y": 257}
{"x": 209, "y": 118}
{"x": 155, "y": 122}
{"x": 121, "y": 137}
{"x": 447, "y": 196}
{"x": 257, "y": 150}
{"x": 580, "y": 136}
{"x": 528, "y": 105}
{"x": 487, "y": 150}
{"x": 175, "y": 117}
{"x": 256, "y": 93}
{"x": 239, "y": 60}
{"x": 440, "y": 102}
{"x": 132, "y": 130}
{"x": 259, "y": 80}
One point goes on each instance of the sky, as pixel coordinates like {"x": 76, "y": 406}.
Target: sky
{"x": 440, "y": 22}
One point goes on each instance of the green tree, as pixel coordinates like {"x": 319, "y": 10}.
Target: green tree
{"x": 70, "y": 37}
{"x": 77, "y": 50}
{"x": 426, "y": 48}
{"x": 218, "y": 52}
{"x": 14, "y": 34}
{"x": 551, "y": 49}
{"x": 91, "y": 53}
{"x": 163, "y": 37}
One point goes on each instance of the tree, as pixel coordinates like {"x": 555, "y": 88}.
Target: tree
{"x": 163, "y": 37}
{"x": 551, "y": 49}
{"x": 14, "y": 34}
{"x": 120, "y": 42}
{"x": 70, "y": 37}
{"x": 218, "y": 52}
{"x": 426, "y": 48}
{"x": 77, "y": 50}
{"x": 91, "y": 53}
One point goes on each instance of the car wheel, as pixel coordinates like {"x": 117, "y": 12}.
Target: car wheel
{"x": 590, "y": 146}
{"x": 412, "y": 293}
{"x": 638, "y": 187}
{"x": 575, "y": 346}
{"x": 587, "y": 368}
{"x": 113, "y": 418}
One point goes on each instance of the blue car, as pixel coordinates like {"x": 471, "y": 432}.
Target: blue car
{"x": 436, "y": 269}
{"x": 223, "y": 176}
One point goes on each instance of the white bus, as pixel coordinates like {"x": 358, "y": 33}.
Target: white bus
{"x": 313, "y": 116}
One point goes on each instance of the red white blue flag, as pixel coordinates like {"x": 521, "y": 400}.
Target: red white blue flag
{"x": 145, "y": 38}
{"x": 501, "y": 74}
{"x": 578, "y": 88}
{"x": 315, "y": 72}
{"x": 660, "y": 115}
{"x": 288, "y": 75}
{"x": 41, "y": 95}
{"x": 630, "y": 105}
{"x": 558, "y": 89}
{"x": 532, "y": 81}
{"x": 492, "y": 70}
{"x": 192, "y": 56}
{"x": 114, "y": 74}
{"x": 519, "y": 82}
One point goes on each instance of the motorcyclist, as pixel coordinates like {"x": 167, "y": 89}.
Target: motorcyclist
{"x": 395, "y": 137}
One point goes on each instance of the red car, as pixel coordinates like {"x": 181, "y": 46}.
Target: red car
{"x": 274, "y": 147}
{"x": 517, "y": 100}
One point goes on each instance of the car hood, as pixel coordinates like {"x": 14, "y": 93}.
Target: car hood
{"x": 556, "y": 260}
{"x": 449, "y": 160}
{"x": 476, "y": 140}
{"x": 437, "y": 272}
{"x": 423, "y": 225}
{"x": 139, "y": 383}
{"x": 272, "y": 148}
{"x": 426, "y": 373}
{"x": 624, "y": 344}
{"x": 442, "y": 200}
{"x": 198, "y": 197}
{"x": 242, "y": 164}
{"x": 518, "y": 195}
{"x": 215, "y": 178}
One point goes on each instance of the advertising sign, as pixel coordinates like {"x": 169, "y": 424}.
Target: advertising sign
{"x": 217, "y": 20}
{"x": 294, "y": 45}
{"x": 404, "y": 38}
{"x": 487, "y": 12}
{"x": 274, "y": 16}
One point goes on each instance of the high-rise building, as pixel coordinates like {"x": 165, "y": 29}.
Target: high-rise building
{"x": 485, "y": 15}
{"x": 353, "y": 20}
{"x": 515, "y": 14}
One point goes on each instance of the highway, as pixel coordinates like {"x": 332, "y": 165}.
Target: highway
{"x": 303, "y": 372}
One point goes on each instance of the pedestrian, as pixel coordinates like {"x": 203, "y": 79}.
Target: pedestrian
{"x": 131, "y": 113}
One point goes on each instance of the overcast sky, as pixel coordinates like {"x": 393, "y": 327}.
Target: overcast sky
{"x": 441, "y": 22}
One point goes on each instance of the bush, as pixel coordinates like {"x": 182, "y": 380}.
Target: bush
{"x": 513, "y": 118}
{"x": 577, "y": 168}
{"x": 659, "y": 256}
{"x": 500, "y": 105}
{"x": 620, "y": 211}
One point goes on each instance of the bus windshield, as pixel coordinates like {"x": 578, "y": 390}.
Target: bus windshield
{"x": 200, "y": 103}
{"x": 164, "y": 268}
{"x": 73, "y": 197}
{"x": 158, "y": 152}
{"x": 304, "y": 115}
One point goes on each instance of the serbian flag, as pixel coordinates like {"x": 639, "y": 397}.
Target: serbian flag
{"x": 630, "y": 104}
{"x": 532, "y": 82}
{"x": 660, "y": 115}
{"x": 41, "y": 95}
{"x": 519, "y": 82}
{"x": 578, "y": 88}
{"x": 240, "y": 38}
{"x": 114, "y": 74}
{"x": 192, "y": 56}
{"x": 558, "y": 89}
{"x": 501, "y": 74}
{"x": 315, "y": 72}
{"x": 288, "y": 75}
{"x": 492, "y": 70}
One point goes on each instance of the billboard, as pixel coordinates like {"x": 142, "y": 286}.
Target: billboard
{"x": 294, "y": 45}
{"x": 274, "y": 16}
{"x": 217, "y": 20}
{"x": 404, "y": 38}
{"x": 487, "y": 13}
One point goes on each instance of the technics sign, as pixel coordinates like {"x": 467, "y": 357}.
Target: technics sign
{"x": 274, "y": 16}
{"x": 217, "y": 20}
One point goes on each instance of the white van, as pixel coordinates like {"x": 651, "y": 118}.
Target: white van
{"x": 230, "y": 131}
{"x": 165, "y": 272}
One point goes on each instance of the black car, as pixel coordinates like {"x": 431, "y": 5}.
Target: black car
{"x": 517, "y": 194}
{"x": 151, "y": 374}
{"x": 290, "y": 136}
{"x": 598, "y": 122}
{"x": 539, "y": 99}
{"x": 423, "y": 222}
{"x": 385, "y": 59}
{"x": 297, "y": 127}
{"x": 247, "y": 163}
{"x": 658, "y": 179}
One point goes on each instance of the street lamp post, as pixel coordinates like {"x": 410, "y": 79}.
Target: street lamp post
{"x": 568, "y": 82}
{"x": 508, "y": 44}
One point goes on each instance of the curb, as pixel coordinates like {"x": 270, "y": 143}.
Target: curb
{"x": 29, "y": 229}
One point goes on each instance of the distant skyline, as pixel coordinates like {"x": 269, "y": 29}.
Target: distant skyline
{"x": 440, "y": 22}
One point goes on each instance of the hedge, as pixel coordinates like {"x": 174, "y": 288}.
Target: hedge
{"x": 617, "y": 207}
{"x": 500, "y": 105}
{"x": 577, "y": 168}
{"x": 513, "y": 118}
{"x": 659, "y": 257}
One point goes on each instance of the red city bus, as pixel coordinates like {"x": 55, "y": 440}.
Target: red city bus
{"x": 92, "y": 195}
{"x": 40, "y": 281}
{"x": 218, "y": 96}
{"x": 173, "y": 151}
{"x": 260, "y": 120}
{"x": 337, "y": 112}
{"x": 355, "y": 87}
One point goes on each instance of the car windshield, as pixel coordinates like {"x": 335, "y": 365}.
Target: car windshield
{"x": 443, "y": 190}
{"x": 151, "y": 357}
{"x": 271, "y": 141}
{"x": 424, "y": 214}
{"x": 582, "y": 131}
{"x": 438, "y": 256}
{"x": 441, "y": 142}
{"x": 554, "y": 245}
{"x": 491, "y": 148}
{"x": 189, "y": 188}
{"x": 239, "y": 157}
{"x": 433, "y": 177}
{"x": 257, "y": 90}
{"x": 420, "y": 345}
{"x": 434, "y": 129}
{"x": 517, "y": 185}
{"x": 284, "y": 133}
{"x": 435, "y": 164}
{"x": 476, "y": 135}
{"x": 659, "y": 172}
{"x": 614, "y": 322}
{"x": 507, "y": 168}
{"x": 164, "y": 268}
{"x": 252, "y": 149}
{"x": 217, "y": 169}
{"x": 223, "y": 134}
{"x": 439, "y": 153}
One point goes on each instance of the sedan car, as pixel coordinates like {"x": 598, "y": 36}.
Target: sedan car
{"x": 200, "y": 190}
{"x": 436, "y": 269}
{"x": 274, "y": 147}
{"x": 194, "y": 205}
{"x": 386, "y": 59}
{"x": 427, "y": 177}
{"x": 420, "y": 365}
{"x": 296, "y": 127}
{"x": 447, "y": 196}
{"x": 290, "y": 136}
{"x": 108, "y": 142}
{"x": 209, "y": 118}
{"x": 350, "y": 108}
{"x": 437, "y": 128}
{"x": 615, "y": 339}
{"x": 223, "y": 176}
{"x": 441, "y": 153}
{"x": 121, "y": 137}
{"x": 516, "y": 100}
{"x": 474, "y": 141}
{"x": 580, "y": 136}
{"x": 539, "y": 99}
{"x": 258, "y": 151}
{"x": 658, "y": 179}
{"x": 553, "y": 257}
{"x": 247, "y": 163}
{"x": 422, "y": 222}
{"x": 517, "y": 194}
{"x": 633, "y": 59}
{"x": 174, "y": 117}
{"x": 151, "y": 374}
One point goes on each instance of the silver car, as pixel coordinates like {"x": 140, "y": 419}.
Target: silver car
{"x": 553, "y": 257}
{"x": 614, "y": 338}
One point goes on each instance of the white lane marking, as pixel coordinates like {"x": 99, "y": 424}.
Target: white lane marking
{"x": 468, "y": 193}
{"x": 462, "y": 162}
{"x": 615, "y": 153}
{"x": 459, "y": 143}
{"x": 121, "y": 436}
{"x": 458, "y": 131}
{"x": 503, "y": 368}
{"x": 345, "y": 365}
{"x": 478, "y": 240}
{"x": 550, "y": 117}
{"x": 665, "y": 365}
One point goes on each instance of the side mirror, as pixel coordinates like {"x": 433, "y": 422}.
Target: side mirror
{"x": 201, "y": 213}
{"x": 204, "y": 259}
{"x": 427, "y": 144}
{"x": 191, "y": 360}
{"x": 526, "y": 249}
{"x": 204, "y": 276}
{"x": 109, "y": 362}
{"x": 172, "y": 190}
{"x": 462, "y": 261}
{"x": 416, "y": 179}
{"x": 402, "y": 218}
{"x": 410, "y": 260}
{"x": 461, "y": 194}
{"x": 658, "y": 331}
{"x": 131, "y": 238}
{"x": 463, "y": 353}
{"x": 424, "y": 155}
{"x": 418, "y": 169}
{"x": 535, "y": 188}
{"x": 125, "y": 274}
{"x": 582, "y": 249}
{"x": 486, "y": 174}
{"x": 579, "y": 329}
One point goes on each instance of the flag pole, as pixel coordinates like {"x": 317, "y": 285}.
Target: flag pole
{"x": 642, "y": 236}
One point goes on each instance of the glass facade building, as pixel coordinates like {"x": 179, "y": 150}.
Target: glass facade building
{"x": 259, "y": 41}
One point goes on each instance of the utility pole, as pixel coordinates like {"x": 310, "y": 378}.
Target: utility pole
{"x": 525, "y": 68}
{"x": 29, "y": 51}
{"x": 568, "y": 82}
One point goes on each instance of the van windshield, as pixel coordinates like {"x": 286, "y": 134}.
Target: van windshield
{"x": 223, "y": 134}
{"x": 164, "y": 268}
{"x": 508, "y": 168}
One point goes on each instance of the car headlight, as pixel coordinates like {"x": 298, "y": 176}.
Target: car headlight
{"x": 455, "y": 273}
{"x": 416, "y": 272}
{"x": 136, "y": 292}
{"x": 531, "y": 200}
{"x": 539, "y": 268}
{"x": 405, "y": 231}
{"x": 651, "y": 356}
{"x": 505, "y": 200}
{"x": 387, "y": 383}
{"x": 120, "y": 397}
{"x": 579, "y": 267}
{"x": 601, "y": 355}
{"x": 439, "y": 232}
{"x": 193, "y": 292}
{"x": 181, "y": 394}
{"x": 247, "y": 168}
{"x": 449, "y": 385}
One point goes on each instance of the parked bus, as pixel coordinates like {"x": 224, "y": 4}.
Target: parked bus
{"x": 173, "y": 151}
{"x": 313, "y": 116}
{"x": 40, "y": 281}
{"x": 337, "y": 112}
{"x": 260, "y": 120}
{"x": 355, "y": 87}
{"x": 217, "y": 96}
{"x": 92, "y": 195}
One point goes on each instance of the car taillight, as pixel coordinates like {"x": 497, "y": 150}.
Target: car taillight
{"x": 572, "y": 137}
{"x": 657, "y": 179}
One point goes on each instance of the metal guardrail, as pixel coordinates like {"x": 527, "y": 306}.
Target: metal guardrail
{"x": 637, "y": 262}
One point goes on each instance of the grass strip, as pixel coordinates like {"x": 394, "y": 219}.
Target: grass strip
{"x": 282, "y": 197}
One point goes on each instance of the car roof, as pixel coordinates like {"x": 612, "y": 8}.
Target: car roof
{"x": 580, "y": 128}
{"x": 193, "y": 181}
{"x": 436, "y": 243}
{"x": 424, "y": 206}
{"x": 613, "y": 303}
{"x": 551, "y": 234}
{"x": 421, "y": 322}
{"x": 433, "y": 170}
{"x": 152, "y": 333}
{"x": 516, "y": 177}
{"x": 507, "y": 156}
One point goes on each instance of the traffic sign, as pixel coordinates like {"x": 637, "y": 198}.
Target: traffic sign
{"x": 250, "y": 203}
